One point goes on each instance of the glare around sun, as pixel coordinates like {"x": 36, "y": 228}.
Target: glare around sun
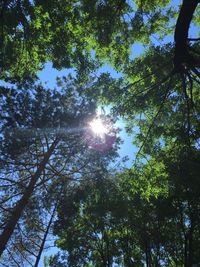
{"x": 97, "y": 127}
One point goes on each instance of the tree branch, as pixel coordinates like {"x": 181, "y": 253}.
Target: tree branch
{"x": 182, "y": 56}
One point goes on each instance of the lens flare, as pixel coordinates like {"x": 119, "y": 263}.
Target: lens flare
{"x": 98, "y": 127}
{"x": 100, "y": 133}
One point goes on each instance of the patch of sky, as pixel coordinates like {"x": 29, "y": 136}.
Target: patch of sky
{"x": 108, "y": 68}
{"x": 136, "y": 50}
{"x": 194, "y": 31}
{"x": 197, "y": 144}
{"x": 127, "y": 149}
{"x": 6, "y": 84}
{"x": 49, "y": 74}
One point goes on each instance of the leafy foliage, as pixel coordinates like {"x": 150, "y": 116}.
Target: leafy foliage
{"x": 34, "y": 32}
{"x": 148, "y": 214}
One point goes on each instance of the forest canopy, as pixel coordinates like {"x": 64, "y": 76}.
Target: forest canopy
{"x": 62, "y": 182}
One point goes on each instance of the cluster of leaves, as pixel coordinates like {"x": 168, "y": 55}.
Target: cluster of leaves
{"x": 34, "y": 32}
{"x": 149, "y": 216}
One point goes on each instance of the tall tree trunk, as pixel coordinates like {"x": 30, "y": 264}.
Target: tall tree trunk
{"x": 147, "y": 254}
{"x": 185, "y": 251}
{"x": 19, "y": 207}
{"x": 190, "y": 245}
{"x": 109, "y": 263}
{"x": 182, "y": 56}
{"x": 45, "y": 237}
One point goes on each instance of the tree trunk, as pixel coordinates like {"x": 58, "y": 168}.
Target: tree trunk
{"x": 182, "y": 56}
{"x": 147, "y": 254}
{"x": 19, "y": 207}
{"x": 185, "y": 251}
{"x": 190, "y": 245}
{"x": 44, "y": 238}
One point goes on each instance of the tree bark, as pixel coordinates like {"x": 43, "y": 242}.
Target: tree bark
{"x": 19, "y": 207}
{"x": 182, "y": 56}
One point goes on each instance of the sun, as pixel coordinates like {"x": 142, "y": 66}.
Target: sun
{"x": 100, "y": 133}
{"x": 98, "y": 127}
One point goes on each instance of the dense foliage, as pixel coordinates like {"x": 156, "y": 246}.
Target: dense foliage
{"x": 34, "y": 32}
{"x": 43, "y": 154}
{"x": 53, "y": 184}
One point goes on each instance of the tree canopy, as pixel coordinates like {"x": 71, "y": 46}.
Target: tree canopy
{"x": 34, "y": 32}
{"x": 54, "y": 182}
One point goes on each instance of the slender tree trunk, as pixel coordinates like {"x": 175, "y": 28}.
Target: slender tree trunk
{"x": 127, "y": 257}
{"x": 190, "y": 245}
{"x": 147, "y": 255}
{"x": 19, "y": 207}
{"x": 147, "y": 259}
{"x": 107, "y": 251}
{"x": 44, "y": 238}
{"x": 182, "y": 55}
{"x": 185, "y": 251}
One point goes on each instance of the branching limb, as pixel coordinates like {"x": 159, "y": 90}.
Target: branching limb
{"x": 193, "y": 39}
{"x": 167, "y": 93}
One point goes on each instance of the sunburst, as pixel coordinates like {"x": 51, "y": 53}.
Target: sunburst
{"x": 98, "y": 127}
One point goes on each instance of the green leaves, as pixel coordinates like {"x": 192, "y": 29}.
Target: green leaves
{"x": 147, "y": 214}
{"x": 34, "y": 33}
